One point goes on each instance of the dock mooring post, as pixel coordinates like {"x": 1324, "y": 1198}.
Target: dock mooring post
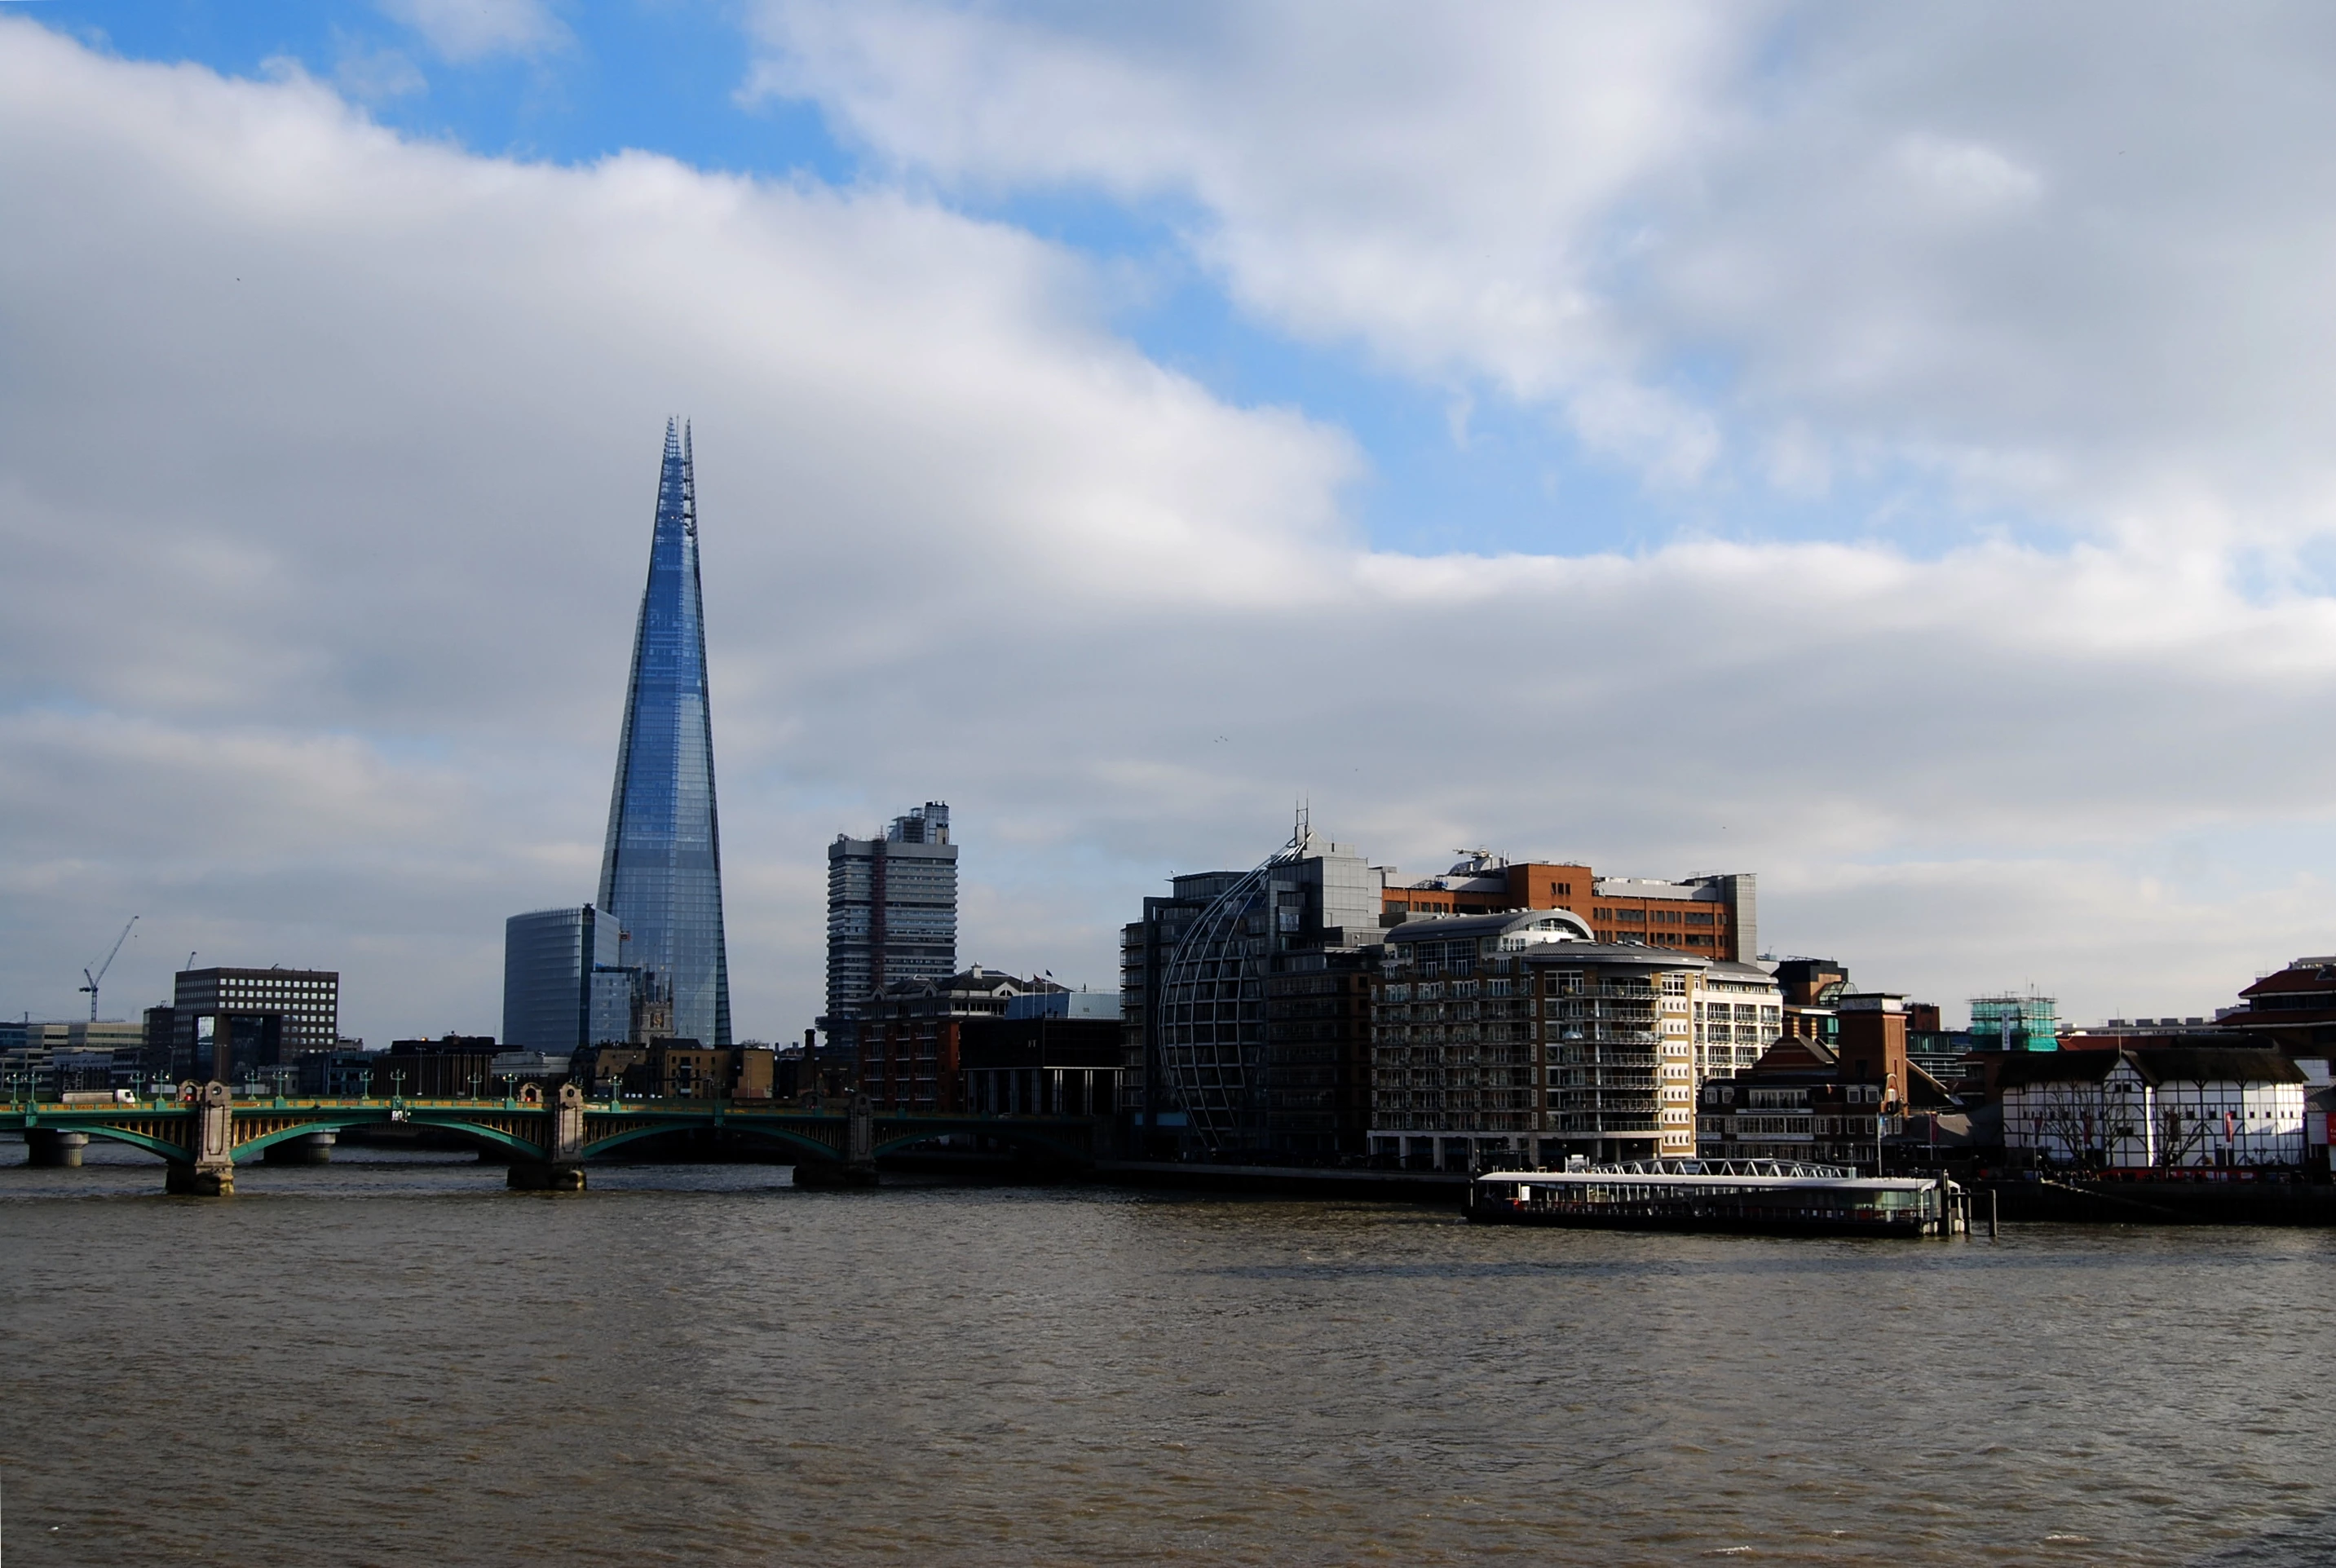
{"x": 210, "y": 1173}
{"x": 1994, "y": 1231}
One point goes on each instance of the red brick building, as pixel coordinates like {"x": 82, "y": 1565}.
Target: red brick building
{"x": 1712, "y": 917}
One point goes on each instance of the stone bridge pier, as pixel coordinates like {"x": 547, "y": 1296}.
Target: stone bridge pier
{"x": 314, "y": 1149}
{"x": 858, "y": 1168}
{"x": 560, "y": 1167}
{"x": 53, "y": 1149}
{"x": 211, "y": 1173}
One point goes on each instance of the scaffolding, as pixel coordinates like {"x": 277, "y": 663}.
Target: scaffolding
{"x": 2014, "y": 1022}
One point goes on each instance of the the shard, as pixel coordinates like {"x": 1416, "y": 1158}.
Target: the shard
{"x": 661, "y": 873}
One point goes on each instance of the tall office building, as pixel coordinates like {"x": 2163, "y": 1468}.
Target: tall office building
{"x": 565, "y": 982}
{"x": 661, "y": 874}
{"x": 892, "y": 914}
{"x": 225, "y": 1021}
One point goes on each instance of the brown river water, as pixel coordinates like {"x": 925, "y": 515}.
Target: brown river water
{"x": 394, "y": 1360}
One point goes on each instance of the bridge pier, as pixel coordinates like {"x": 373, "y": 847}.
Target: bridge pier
{"x": 314, "y": 1149}
{"x": 561, "y": 1170}
{"x": 50, "y": 1149}
{"x": 211, "y": 1173}
{"x": 824, "y": 1175}
{"x": 544, "y": 1177}
{"x": 198, "y": 1180}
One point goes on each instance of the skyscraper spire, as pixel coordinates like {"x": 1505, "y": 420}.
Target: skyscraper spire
{"x": 661, "y": 873}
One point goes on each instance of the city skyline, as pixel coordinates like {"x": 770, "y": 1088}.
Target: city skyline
{"x": 1672, "y": 472}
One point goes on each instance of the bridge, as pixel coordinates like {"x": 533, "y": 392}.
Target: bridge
{"x": 201, "y": 1133}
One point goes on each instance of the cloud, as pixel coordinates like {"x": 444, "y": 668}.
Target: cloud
{"x": 465, "y": 32}
{"x": 327, "y": 460}
{"x": 2064, "y": 262}
{"x": 375, "y": 76}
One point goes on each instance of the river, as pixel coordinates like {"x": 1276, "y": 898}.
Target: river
{"x": 394, "y": 1361}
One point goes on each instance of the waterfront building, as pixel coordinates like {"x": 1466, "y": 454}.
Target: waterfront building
{"x": 451, "y": 1067}
{"x": 75, "y": 1055}
{"x": 1207, "y": 1026}
{"x": 661, "y": 869}
{"x": 2015, "y": 1021}
{"x": 226, "y": 1022}
{"x": 1522, "y": 1032}
{"x": 676, "y": 1069}
{"x": 891, "y": 915}
{"x": 1156, "y": 1124}
{"x": 507, "y": 1069}
{"x": 2293, "y": 1009}
{"x": 566, "y": 984}
{"x": 1824, "y": 1098}
{"x": 1809, "y": 986}
{"x": 1052, "y": 1053}
{"x": 345, "y": 1072}
{"x": 1714, "y": 916}
{"x": 2170, "y": 1107}
{"x": 1739, "y": 1013}
{"x": 911, "y": 1035}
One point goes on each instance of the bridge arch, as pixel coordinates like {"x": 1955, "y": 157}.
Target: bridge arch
{"x": 792, "y": 1141}
{"x": 177, "y": 1153}
{"x": 463, "y": 1128}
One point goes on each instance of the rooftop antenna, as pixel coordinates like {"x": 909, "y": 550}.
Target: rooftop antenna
{"x": 1303, "y": 826}
{"x": 107, "y": 964}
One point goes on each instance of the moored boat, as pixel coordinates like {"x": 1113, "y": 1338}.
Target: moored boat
{"x": 1759, "y": 1196}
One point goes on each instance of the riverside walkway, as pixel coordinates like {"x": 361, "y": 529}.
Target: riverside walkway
{"x": 202, "y": 1130}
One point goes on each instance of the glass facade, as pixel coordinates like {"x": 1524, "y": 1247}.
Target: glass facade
{"x": 661, "y": 873}
{"x": 563, "y": 986}
{"x": 1209, "y": 1013}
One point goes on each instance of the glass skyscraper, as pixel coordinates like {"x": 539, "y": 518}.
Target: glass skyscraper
{"x": 661, "y": 873}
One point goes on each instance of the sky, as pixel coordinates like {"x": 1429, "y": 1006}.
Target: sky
{"x": 1889, "y": 449}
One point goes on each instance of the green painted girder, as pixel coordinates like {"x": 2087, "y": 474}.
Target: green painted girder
{"x": 821, "y": 1134}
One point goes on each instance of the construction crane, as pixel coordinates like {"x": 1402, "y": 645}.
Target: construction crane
{"x": 94, "y": 978}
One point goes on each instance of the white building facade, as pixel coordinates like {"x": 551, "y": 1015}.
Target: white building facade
{"x": 2140, "y": 1109}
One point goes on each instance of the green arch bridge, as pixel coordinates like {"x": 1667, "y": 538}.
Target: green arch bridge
{"x": 201, "y": 1133}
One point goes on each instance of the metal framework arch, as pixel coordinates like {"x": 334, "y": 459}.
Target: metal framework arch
{"x": 1210, "y": 1014}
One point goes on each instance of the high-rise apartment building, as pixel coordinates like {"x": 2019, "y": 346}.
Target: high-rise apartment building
{"x": 661, "y": 872}
{"x": 891, "y": 915}
{"x": 566, "y": 985}
{"x": 1520, "y": 1037}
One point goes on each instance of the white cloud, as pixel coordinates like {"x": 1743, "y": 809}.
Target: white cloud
{"x": 467, "y": 31}
{"x": 2069, "y": 260}
{"x": 325, "y": 466}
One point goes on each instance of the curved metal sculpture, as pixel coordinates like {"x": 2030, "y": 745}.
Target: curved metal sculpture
{"x": 1209, "y": 1012}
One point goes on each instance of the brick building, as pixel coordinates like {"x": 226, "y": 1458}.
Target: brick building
{"x": 1714, "y": 917}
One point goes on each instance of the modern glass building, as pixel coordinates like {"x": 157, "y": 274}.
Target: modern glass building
{"x": 1209, "y": 1035}
{"x": 661, "y": 873}
{"x": 565, "y": 985}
